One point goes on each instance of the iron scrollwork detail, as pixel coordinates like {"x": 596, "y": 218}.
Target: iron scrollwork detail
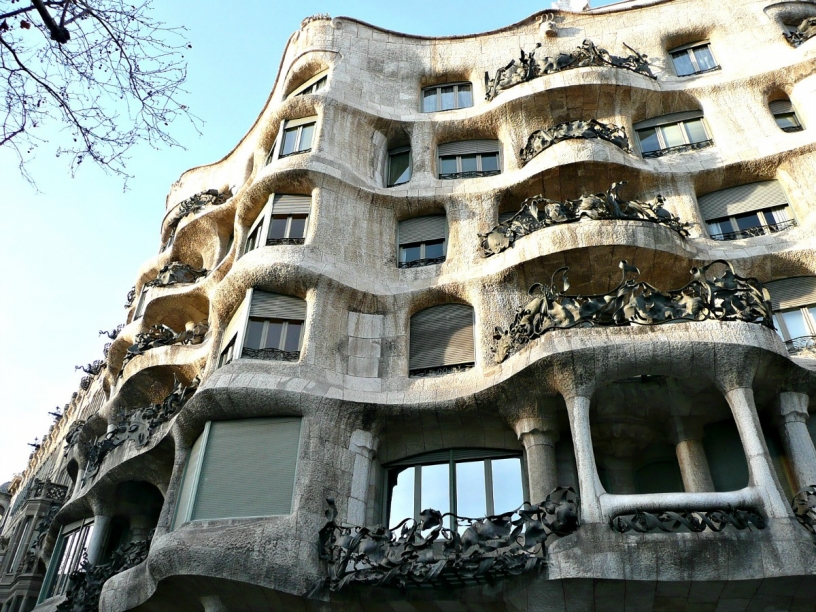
{"x": 539, "y": 212}
{"x": 162, "y": 335}
{"x": 92, "y": 369}
{"x": 804, "y": 508}
{"x": 193, "y": 205}
{"x": 270, "y": 354}
{"x": 177, "y": 273}
{"x": 424, "y": 552}
{"x": 727, "y": 297}
{"x": 670, "y": 521}
{"x": 528, "y": 67}
{"x": 72, "y": 437}
{"x": 131, "y": 297}
{"x": 804, "y": 32}
{"x": 546, "y": 137}
{"x": 683, "y": 148}
{"x": 114, "y": 333}
{"x": 29, "y": 561}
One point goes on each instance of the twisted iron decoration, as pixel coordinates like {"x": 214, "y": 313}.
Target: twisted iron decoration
{"x": 92, "y": 369}
{"x": 539, "y": 212}
{"x": 804, "y": 508}
{"x": 114, "y": 333}
{"x": 803, "y": 33}
{"x": 727, "y": 297}
{"x": 162, "y": 335}
{"x": 424, "y": 553}
{"x": 177, "y": 273}
{"x": 669, "y": 521}
{"x": 197, "y": 203}
{"x": 544, "y": 138}
{"x": 529, "y": 67}
{"x": 131, "y": 296}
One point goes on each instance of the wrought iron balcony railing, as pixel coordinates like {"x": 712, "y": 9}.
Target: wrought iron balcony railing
{"x": 418, "y": 263}
{"x": 282, "y": 155}
{"x": 752, "y": 232}
{"x": 802, "y": 344}
{"x": 270, "y": 354}
{"x": 441, "y": 370}
{"x": 693, "y": 146}
{"x": 277, "y": 241}
{"x": 472, "y": 174}
{"x": 706, "y": 71}
{"x": 792, "y": 128}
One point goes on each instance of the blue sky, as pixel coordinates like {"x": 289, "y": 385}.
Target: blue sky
{"x": 72, "y": 249}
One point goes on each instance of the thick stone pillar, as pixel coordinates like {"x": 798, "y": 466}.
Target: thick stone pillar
{"x": 761, "y": 471}
{"x": 539, "y": 435}
{"x": 792, "y": 416}
{"x": 99, "y": 535}
{"x": 588, "y": 481}
{"x": 364, "y": 445}
{"x": 688, "y": 440}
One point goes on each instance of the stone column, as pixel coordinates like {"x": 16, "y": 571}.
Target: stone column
{"x": 364, "y": 445}
{"x": 99, "y": 534}
{"x": 688, "y": 439}
{"x": 760, "y": 469}
{"x": 588, "y": 481}
{"x": 539, "y": 435}
{"x": 792, "y": 415}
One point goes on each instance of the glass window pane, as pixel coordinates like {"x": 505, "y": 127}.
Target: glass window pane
{"x": 447, "y": 165}
{"x": 253, "y": 334}
{"x": 812, "y": 322}
{"x": 490, "y": 161}
{"x": 795, "y": 323}
{"x": 402, "y": 498}
{"x": 465, "y": 96}
{"x": 434, "y": 249}
{"x": 297, "y": 228}
{"x": 705, "y": 61}
{"x": 292, "y": 336}
{"x": 648, "y": 140}
{"x": 718, "y": 227}
{"x": 507, "y": 493}
{"x": 410, "y": 253}
{"x": 289, "y": 140}
{"x": 399, "y": 168}
{"x": 672, "y": 135}
{"x": 436, "y": 487}
{"x": 747, "y": 221}
{"x": 447, "y": 98}
{"x": 777, "y": 326}
{"x": 429, "y": 100}
{"x": 277, "y": 228}
{"x": 786, "y": 120}
{"x": 471, "y": 499}
{"x": 682, "y": 63}
{"x": 696, "y": 130}
{"x": 319, "y": 85}
{"x": 777, "y": 215}
{"x": 468, "y": 163}
{"x": 273, "y": 335}
{"x": 306, "y": 137}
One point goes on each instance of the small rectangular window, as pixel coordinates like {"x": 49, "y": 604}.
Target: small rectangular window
{"x": 672, "y": 134}
{"x": 422, "y": 241}
{"x": 399, "y": 166}
{"x": 266, "y": 337}
{"x": 449, "y": 96}
{"x": 296, "y": 138}
{"x": 693, "y": 59}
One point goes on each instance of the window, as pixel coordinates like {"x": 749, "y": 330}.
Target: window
{"x": 422, "y": 241}
{"x": 399, "y": 166}
{"x": 441, "y": 340}
{"x": 227, "y": 354}
{"x": 287, "y": 229}
{"x": 468, "y": 159}
{"x": 785, "y": 116}
{"x": 16, "y": 555}
{"x": 67, "y": 557}
{"x": 695, "y": 58}
{"x": 447, "y": 97}
{"x": 745, "y": 211}
{"x": 296, "y": 137}
{"x": 313, "y": 85}
{"x": 673, "y": 133}
{"x": 253, "y": 241}
{"x": 272, "y": 336}
{"x": 142, "y": 303}
{"x": 284, "y": 220}
{"x": 469, "y": 483}
{"x": 243, "y": 468}
{"x": 794, "y": 305}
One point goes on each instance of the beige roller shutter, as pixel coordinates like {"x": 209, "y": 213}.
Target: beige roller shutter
{"x": 422, "y": 229}
{"x": 441, "y": 336}
{"x": 468, "y": 147}
{"x": 792, "y": 292}
{"x": 185, "y": 494}
{"x": 284, "y": 204}
{"x": 742, "y": 199}
{"x": 666, "y": 119}
{"x": 276, "y": 306}
{"x": 781, "y": 106}
{"x": 248, "y": 468}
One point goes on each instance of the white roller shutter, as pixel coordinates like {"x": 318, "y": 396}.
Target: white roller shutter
{"x": 441, "y": 336}
{"x": 422, "y": 229}
{"x": 792, "y": 292}
{"x": 468, "y": 147}
{"x": 276, "y": 306}
{"x": 296, "y": 122}
{"x": 779, "y": 107}
{"x": 284, "y": 204}
{"x": 666, "y": 119}
{"x": 742, "y": 199}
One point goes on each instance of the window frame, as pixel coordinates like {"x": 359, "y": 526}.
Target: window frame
{"x": 789, "y": 114}
{"x": 301, "y": 90}
{"x": 23, "y": 532}
{"x": 810, "y": 322}
{"x": 661, "y": 139}
{"x": 283, "y": 335}
{"x": 287, "y": 239}
{"x": 262, "y": 225}
{"x": 287, "y": 125}
{"x": 141, "y": 303}
{"x": 49, "y": 584}
{"x": 689, "y": 49}
{"x": 423, "y": 243}
{"x": 391, "y": 153}
{"x": 437, "y": 88}
{"x": 764, "y": 228}
{"x": 458, "y": 156}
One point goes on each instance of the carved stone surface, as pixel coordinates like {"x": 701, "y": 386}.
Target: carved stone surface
{"x": 162, "y": 335}
{"x": 805, "y": 31}
{"x": 528, "y": 67}
{"x": 72, "y": 437}
{"x": 670, "y": 521}
{"x": 425, "y": 553}
{"x": 544, "y": 138}
{"x": 727, "y": 297}
{"x": 804, "y": 508}
{"x": 539, "y": 212}
{"x": 177, "y": 273}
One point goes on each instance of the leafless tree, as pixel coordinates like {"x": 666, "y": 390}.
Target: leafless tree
{"x": 104, "y": 70}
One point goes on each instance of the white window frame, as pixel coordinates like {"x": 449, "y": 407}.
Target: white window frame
{"x": 288, "y": 125}
{"x": 422, "y": 245}
{"x": 810, "y": 324}
{"x": 301, "y": 90}
{"x": 141, "y": 303}
{"x": 263, "y": 222}
{"x": 284, "y": 330}
{"x": 689, "y": 49}
{"x": 683, "y": 130}
{"x": 288, "y": 229}
{"x": 763, "y": 222}
{"x": 391, "y": 153}
{"x": 438, "y": 89}
{"x": 459, "y": 156}
{"x": 24, "y": 532}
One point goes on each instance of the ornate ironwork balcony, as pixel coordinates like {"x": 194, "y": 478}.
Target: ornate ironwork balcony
{"x": 418, "y": 263}
{"x": 277, "y": 241}
{"x": 670, "y": 521}
{"x": 693, "y": 146}
{"x": 282, "y": 155}
{"x": 270, "y": 354}
{"x": 752, "y": 232}
{"x": 441, "y": 370}
{"x": 804, "y": 508}
{"x": 801, "y": 345}
{"x": 471, "y": 174}
{"x": 793, "y": 128}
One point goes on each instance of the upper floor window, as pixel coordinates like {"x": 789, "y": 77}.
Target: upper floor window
{"x": 695, "y": 58}
{"x": 15, "y": 555}
{"x": 794, "y": 305}
{"x": 441, "y": 340}
{"x": 241, "y": 468}
{"x": 399, "y": 166}
{"x": 468, "y": 159}
{"x": 785, "y": 116}
{"x": 313, "y": 85}
{"x": 422, "y": 241}
{"x": 673, "y": 133}
{"x": 141, "y": 304}
{"x": 295, "y": 137}
{"x": 447, "y": 97}
{"x": 746, "y": 211}
{"x": 465, "y": 482}
{"x": 284, "y": 220}
{"x": 69, "y": 550}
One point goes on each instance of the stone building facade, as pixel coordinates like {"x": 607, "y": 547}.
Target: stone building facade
{"x": 571, "y": 290}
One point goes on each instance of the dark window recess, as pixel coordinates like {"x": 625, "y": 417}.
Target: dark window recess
{"x": 314, "y": 87}
{"x": 399, "y": 167}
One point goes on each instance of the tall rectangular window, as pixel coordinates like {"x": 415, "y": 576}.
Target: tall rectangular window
{"x": 399, "y": 166}
{"x": 673, "y": 133}
{"x": 66, "y": 558}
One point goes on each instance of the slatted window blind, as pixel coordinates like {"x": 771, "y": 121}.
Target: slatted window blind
{"x": 185, "y": 495}
{"x": 742, "y": 199}
{"x": 792, "y": 292}
{"x": 276, "y": 306}
{"x": 781, "y": 106}
{"x": 468, "y": 147}
{"x": 666, "y": 119}
{"x": 422, "y": 229}
{"x": 441, "y": 336}
{"x": 248, "y": 468}
{"x": 284, "y": 204}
